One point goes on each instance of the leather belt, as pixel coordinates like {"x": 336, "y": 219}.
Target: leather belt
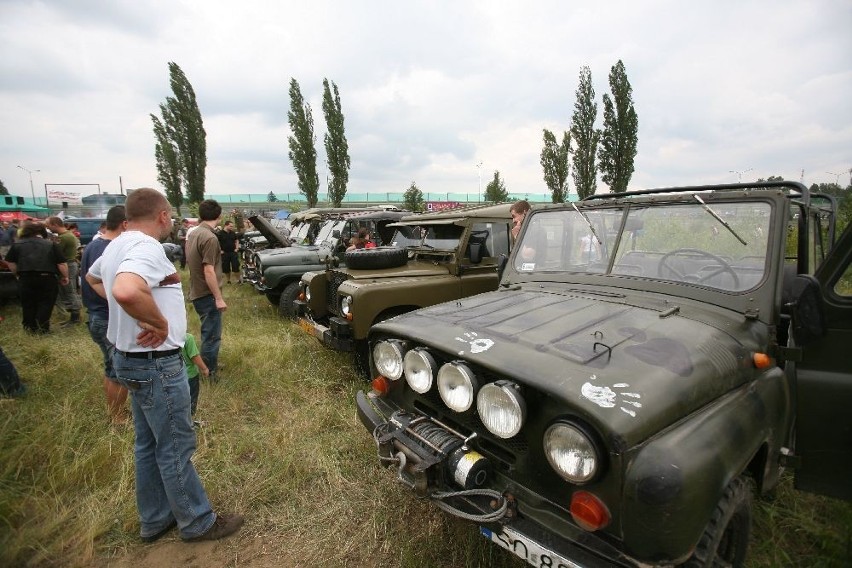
{"x": 148, "y": 354}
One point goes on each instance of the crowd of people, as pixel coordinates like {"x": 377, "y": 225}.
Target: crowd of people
{"x": 137, "y": 317}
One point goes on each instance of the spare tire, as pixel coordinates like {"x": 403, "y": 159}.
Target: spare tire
{"x": 376, "y": 258}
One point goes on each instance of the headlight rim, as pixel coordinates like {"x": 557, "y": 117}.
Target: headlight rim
{"x": 431, "y": 363}
{"x": 514, "y": 391}
{"x": 591, "y": 437}
{"x": 345, "y": 305}
{"x": 472, "y": 383}
{"x": 399, "y": 347}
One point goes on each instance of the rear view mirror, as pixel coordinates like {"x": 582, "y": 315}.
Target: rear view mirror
{"x": 806, "y": 310}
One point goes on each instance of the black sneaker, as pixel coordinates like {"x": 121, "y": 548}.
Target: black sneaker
{"x": 225, "y": 525}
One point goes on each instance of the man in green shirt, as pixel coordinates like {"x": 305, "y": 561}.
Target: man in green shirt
{"x": 69, "y": 294}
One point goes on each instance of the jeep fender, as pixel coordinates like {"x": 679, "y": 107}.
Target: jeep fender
{"x": 674, "y": 481}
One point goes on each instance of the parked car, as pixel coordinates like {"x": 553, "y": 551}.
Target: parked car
{"x": 646, "y": 366}
{"x": 325, "y": 235}
{"x": 436, "y": 257}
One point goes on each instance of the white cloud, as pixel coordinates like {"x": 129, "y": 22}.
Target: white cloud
{"x": 428, "y": 89}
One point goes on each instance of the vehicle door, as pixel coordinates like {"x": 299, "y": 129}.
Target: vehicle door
{"x": 487, "y": 240}
{"x": 823, "y": 443}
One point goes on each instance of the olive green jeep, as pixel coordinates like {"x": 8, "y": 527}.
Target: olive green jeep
{"x": 437, "y": 257}
{"x": 321, "y": 234}
{"x": 649, "y": 362}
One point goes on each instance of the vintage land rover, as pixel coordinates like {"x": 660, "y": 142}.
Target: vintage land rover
{"x": 326, "y": 235}
{"x": 437, "y": 257}
{"x": 649, "y": 361}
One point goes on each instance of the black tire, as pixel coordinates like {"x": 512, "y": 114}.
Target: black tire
{"x": 273, "y": 298}
{"x": 288, "y": 296}
{"x": 725, "y": 539}
{"x": 376, "y": 258}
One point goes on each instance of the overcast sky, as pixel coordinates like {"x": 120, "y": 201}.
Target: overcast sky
{"x": 429, "y": 89}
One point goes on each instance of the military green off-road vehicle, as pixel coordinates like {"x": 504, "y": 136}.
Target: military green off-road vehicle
{"x": 326, "y": 233}
{"x": 437, "y": 257}
{"x": 649, "y": 361}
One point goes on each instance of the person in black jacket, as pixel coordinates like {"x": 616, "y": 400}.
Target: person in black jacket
{"x": 40, "y": 267}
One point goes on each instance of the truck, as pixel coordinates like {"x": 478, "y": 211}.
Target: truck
{"x": 649, "y": 363}
{"x": 437, "y": 257}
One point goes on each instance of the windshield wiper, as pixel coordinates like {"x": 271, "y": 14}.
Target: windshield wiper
{"x": 716, "y": 216}
{"x": 589, "y": 223}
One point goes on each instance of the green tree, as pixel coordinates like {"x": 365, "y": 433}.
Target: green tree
{"x": 413, "y": 198}
{"x": 184, "y": 128}
{"x": 271, "y": 197}
{"x": 554, "y": 162}
{"x": 303, "y": 153}
{"x": 3, "y": 190}
{"x": 495, "y": 191}
{"x": 585, "y": 136}
{"x": 168, "y": 162}
{"x": 619, "y": 138}
{"x": 844, "y": 201}
{"x": 336, "y": 146}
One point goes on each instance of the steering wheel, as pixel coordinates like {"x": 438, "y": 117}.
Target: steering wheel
{"x": 724, "y": 267}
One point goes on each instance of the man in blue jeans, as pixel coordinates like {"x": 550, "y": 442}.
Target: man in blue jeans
{"x": 204, "y": 258}
{"x": 142, "y": 288}
{"x": 98, "y": 311}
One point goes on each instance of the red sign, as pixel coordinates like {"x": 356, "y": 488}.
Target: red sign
{"x": 441, "y": 205}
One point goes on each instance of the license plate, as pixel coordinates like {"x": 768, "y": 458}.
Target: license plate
{"x": 527, "y": 549}
{"x": 307, "y": 326}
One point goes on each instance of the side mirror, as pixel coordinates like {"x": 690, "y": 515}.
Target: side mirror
{"x": 336, "y": 233}
{"x": 806, "y": 310}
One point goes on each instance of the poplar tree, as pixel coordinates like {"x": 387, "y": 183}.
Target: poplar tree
{"x": 336, "y": 147}
{"x": 585, "y": 136}
{"x": 495, "y": 191}
{"x": 303, "y": 153}
{"x": 184, "y": 129}
{"x": 168, "y": 163}
{"x": 554, "y": 162}
{"x": 619, "y": 138}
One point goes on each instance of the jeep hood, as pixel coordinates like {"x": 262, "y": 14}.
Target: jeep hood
{"x": 630, "y": 371}
{"x": 291, "y": 255}
{"x": 273, "y": 237}
{"x": 413, "y": 268}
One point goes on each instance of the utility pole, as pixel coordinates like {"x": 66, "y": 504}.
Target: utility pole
{"x": 479, "y": 169}
{"x": 32, "y": 190}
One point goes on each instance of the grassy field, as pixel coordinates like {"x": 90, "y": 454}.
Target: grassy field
{"x": 281, "y": 444}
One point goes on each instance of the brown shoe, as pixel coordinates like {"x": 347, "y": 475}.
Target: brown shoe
{"x": 225, "y": 525}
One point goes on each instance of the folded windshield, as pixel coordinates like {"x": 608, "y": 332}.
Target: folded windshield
{"x": 679, "y": 243}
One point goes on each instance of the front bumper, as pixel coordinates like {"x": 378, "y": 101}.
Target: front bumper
{"x": 337, "y": 335}
{"x": 427, "y": 475}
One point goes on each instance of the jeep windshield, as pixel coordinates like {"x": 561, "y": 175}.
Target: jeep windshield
{"x": 326, "y": 232}
{"x": 724, "y": 248}
{"x": 406, "y": 236}
{"x": 442, "y": 237}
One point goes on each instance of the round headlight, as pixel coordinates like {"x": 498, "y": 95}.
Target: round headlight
{"x": 501, "y": 408}
{"x": 387, "y": 356}
{"x": 457, "y": 386}
{"x": 307, "y": 292}
{"x": 571, "y": 453}
{"x": 419, "y": 369}
{"x": 346, "y": 306}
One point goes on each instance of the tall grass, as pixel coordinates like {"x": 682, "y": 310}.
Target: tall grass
{"x": 281, "y": 444}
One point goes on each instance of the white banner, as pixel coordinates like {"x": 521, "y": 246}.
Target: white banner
{"x": 56, "y": 196}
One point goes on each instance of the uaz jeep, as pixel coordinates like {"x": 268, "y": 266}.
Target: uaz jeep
{"x": 649, "y": 360}
{"x": 281, "y": 269}
{"x": 437, "y": 257}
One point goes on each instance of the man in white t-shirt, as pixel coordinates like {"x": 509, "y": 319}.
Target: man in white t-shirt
{"x": 147, "y": 326}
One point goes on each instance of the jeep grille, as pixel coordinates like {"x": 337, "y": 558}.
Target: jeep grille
{"x": 333, "y": 282}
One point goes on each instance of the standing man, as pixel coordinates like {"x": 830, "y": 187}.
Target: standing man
{"x": 37, "y": 262}
{"x": 229, "y": 241}
{"x": 141, "y": 287}
{"x": 69, "y": 298}
{"x": 98, "y": 310}
{"x": 518, "y": 211}
{"x": 204, "y": 257}
{"x": 181, "y": 238}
